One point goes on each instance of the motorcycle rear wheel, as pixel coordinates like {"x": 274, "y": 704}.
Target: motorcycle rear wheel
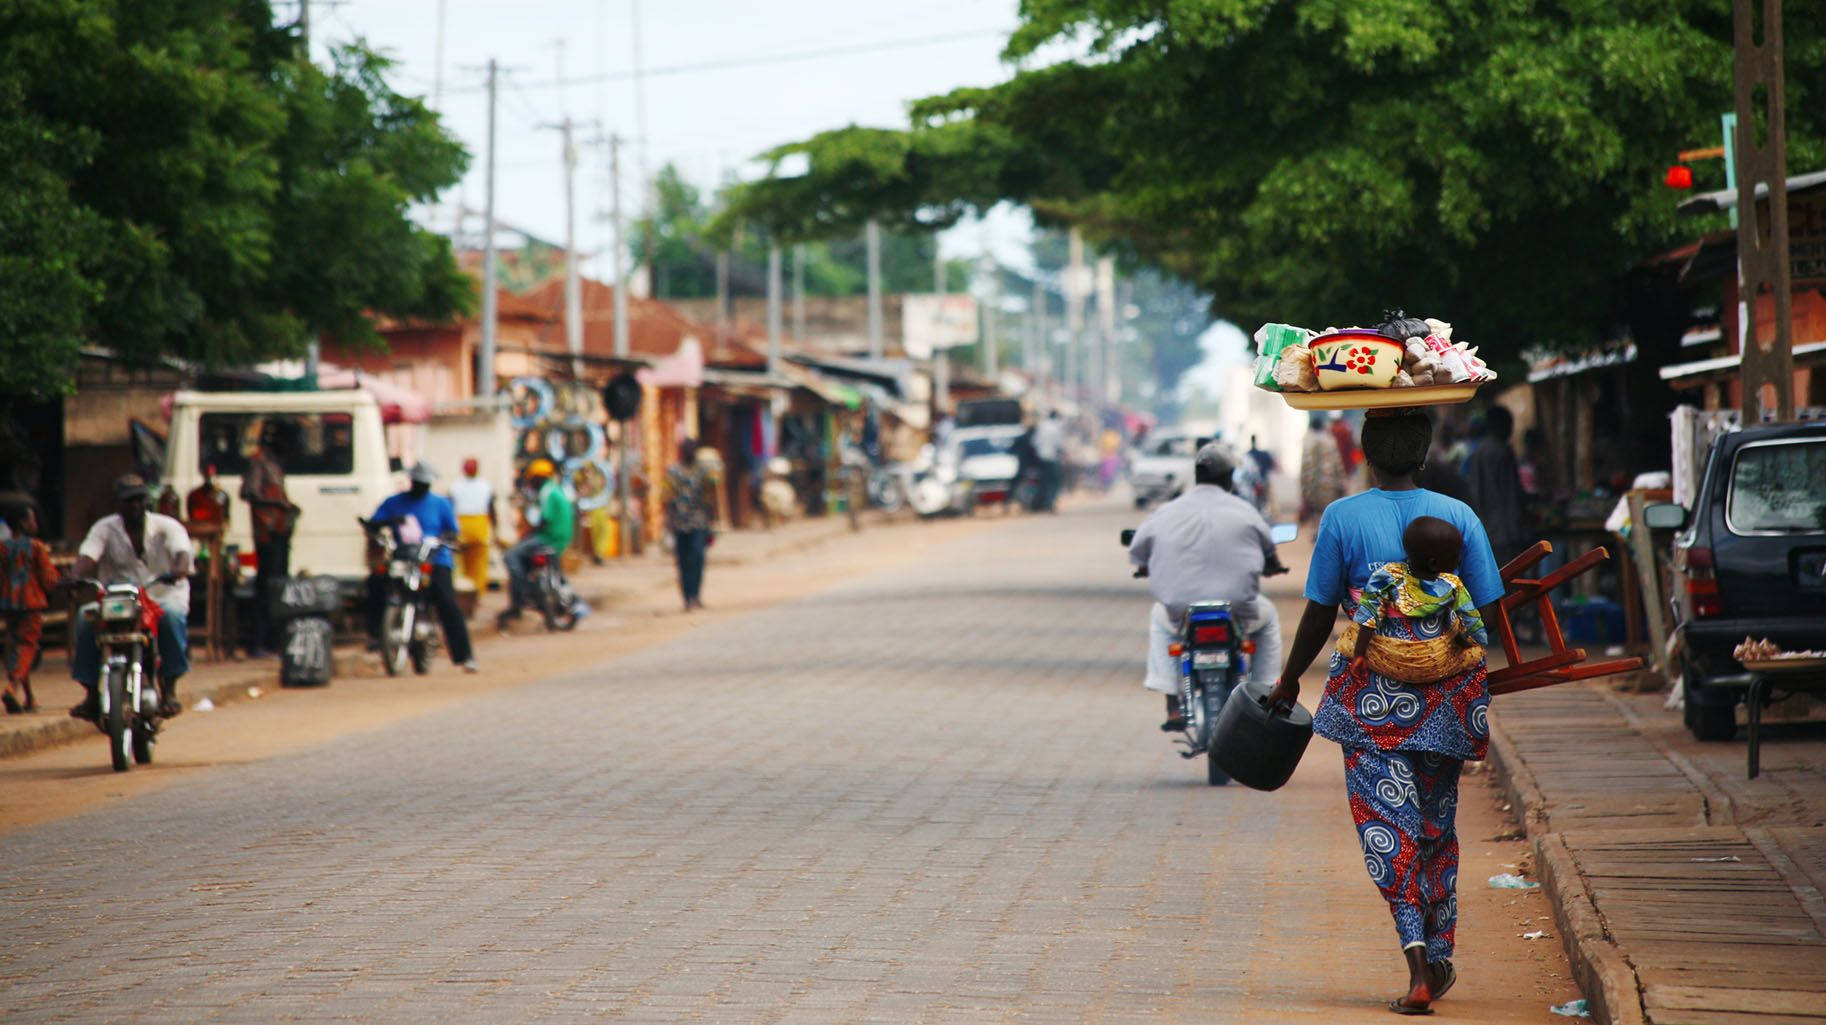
{"x": 560, "y": 614}
{"x": 120, "y": 740}
{"x": 1214, "y": 704}
{"x": 395, "y": 635}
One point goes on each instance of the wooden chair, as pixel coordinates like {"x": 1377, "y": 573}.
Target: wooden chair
{"x": 1561, "y": 664}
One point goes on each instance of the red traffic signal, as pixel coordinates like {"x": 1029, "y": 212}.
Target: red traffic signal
{"x": 1679, "y": 176}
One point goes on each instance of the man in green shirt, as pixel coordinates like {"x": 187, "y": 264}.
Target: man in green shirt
{"x": 554, "y": 521}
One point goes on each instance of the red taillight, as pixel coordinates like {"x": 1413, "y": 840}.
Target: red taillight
{"x": 1702, "y": 586}
{"x": 425, "y": 568}
{"x": 250, "y": 560}
{"x": 1217, "y": 634}
{"x": 539, "y": 559}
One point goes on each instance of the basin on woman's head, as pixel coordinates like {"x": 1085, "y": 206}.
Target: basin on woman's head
{"x": 1355, "y": 358}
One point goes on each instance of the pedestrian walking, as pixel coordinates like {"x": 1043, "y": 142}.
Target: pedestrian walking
{"x": 1321, "y": 469}
{"x": 688, "y": 507}
{"x": 1049, "y": 448}
{"x": 27, "y": 581}
{"x": 1408, "y": 720}
{"x": 1495, "y": 483}
{"x": 473, "y": 498}
{"x": 274, "y": 516}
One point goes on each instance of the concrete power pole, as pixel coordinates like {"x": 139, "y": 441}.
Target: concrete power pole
{"x": 774, "y": 328}
{"x": 991, "y": 295}
{"x": 799, "y": 293}
{"x": 573, "y": 293}
{"x": 619, "y": 263}
{"x": 1106, "y": 329}
{"x": 485, "y": 370}
{"x": 873, "y": 236}
{"x": 1074, "y": 312}
{"x": 941, "y": 357}
{"x": 1041, "y": 364}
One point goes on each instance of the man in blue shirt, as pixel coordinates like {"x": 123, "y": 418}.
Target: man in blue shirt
{"x": 435, "y": 518}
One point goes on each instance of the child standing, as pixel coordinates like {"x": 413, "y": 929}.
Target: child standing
{"x": 27, "y": 580}
{"x": 1422, "y": 586}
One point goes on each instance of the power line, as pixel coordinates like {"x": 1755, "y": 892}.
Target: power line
{"x": 754, "y": 62}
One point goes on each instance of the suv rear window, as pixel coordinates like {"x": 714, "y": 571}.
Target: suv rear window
{"x": 1778, "y": 486}
{"x": 310, "y": 444}
{"x": 1175, "y": 447}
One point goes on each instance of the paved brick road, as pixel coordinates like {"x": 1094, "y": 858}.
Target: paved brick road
{"x": 929, "y": 795}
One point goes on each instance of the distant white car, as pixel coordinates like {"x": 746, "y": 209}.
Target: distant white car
{"x": 1163, "y": 468}
{"x": 984, "y": 459}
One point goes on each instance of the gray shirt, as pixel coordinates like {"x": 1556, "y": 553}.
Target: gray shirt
{"x": 1205, "y": 545}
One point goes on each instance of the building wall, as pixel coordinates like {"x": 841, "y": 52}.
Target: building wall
{"x": 833, "y": 323}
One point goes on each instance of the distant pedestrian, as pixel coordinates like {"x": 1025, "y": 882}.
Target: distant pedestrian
{"x": 688, "y": 504}
{"x": 274, "y": 516}
{"x": 1321, "y": 469}
{"x": 1348, "y": 452}
{"x": 1049, "y": 447}
{"x": 1264, "y": 466}
{"x": 473, "y": 498}
{"x": 1496, "y": 486}
{"x": 27, "y": 581}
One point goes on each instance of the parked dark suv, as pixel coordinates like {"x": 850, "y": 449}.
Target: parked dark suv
{"x": 1750, "y": 561}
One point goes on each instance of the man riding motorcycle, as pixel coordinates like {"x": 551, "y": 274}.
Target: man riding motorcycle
{"x": 435, "y": 517}
{"x": 1207, "y": 545}
{"x": 554, "y": 521}
{"x": 143, "y": 547}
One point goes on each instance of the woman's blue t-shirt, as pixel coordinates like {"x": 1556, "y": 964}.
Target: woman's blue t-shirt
{"x": 1360, "y": 533}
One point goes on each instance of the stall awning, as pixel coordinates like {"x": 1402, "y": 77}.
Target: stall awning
{"x": 1711, "y": 367}
{"x": 1725, "y": 199}
{"x": 1567, "y": 366}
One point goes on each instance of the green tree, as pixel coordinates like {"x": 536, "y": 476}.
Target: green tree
{"x": 179, "y": 182}
{"x": 1494, "y": 162}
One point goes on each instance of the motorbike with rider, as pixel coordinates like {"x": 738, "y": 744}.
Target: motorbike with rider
{"x": 1207, "y": 546}
{"x": 143, "y": 558}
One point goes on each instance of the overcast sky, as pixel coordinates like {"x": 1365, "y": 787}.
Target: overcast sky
{"x": 871, "y": 57}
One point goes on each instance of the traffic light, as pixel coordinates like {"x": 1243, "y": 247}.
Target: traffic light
{"x": 1679, "y": 176}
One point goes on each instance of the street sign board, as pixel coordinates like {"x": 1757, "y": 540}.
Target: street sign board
{"x": 930, "y": 322}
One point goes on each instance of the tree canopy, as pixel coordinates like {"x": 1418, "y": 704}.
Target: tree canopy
{"x": 177, "y": 180}
{"x": 1492, "y": 162}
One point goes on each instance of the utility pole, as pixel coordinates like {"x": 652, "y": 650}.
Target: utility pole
{"x": 1106, "y": 327}
{"x": 941, "y": 356}
{"x": 437, "y": 71}
{"x": 722, "y": 290}
{"x": 313, "y": 350}
{"x": 773, "y": 309}
{"x": 1041, "y": 357}
{"x": 618, "y": 265}
{"x": 799, "y": 293}
{"x": 485, "y": 371}
{"x": 873, "y": 238}
{"x": 991, "y": 358}
{"x": 1074, "y": 312}
{"x": 573, "y": 297}
{"x": 1762, "y": 259}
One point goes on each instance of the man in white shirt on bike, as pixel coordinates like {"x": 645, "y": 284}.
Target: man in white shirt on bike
{"x": 1207, "y": 545}
{"x": 141, "y": 547}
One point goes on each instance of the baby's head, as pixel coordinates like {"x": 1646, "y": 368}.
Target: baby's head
{"x": 1432, "y": 545}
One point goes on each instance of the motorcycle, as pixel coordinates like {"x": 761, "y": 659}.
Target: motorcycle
{"x": 126, "y": 625}
{"x": 1213, "y": 659}
{"x": 409, "y": 629}
{"x": 551, "y": 593}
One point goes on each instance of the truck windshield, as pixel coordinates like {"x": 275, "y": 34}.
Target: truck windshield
{"x": 310, "y": 444}
{"x": 1778, "y": 487}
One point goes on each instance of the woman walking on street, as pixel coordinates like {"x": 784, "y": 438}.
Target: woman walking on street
{"x": 1409, "y": 719}
{"x": 1321, "y": 469}
{"x": 688, "y": 514}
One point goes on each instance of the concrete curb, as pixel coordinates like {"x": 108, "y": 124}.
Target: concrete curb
{"x": 1601, "y": 968}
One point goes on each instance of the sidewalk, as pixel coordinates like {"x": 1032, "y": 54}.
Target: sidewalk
{"x": 1685, "y": 893}
{"x": 603, "y": 587}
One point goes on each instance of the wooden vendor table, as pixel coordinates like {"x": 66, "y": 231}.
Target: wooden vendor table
{"x": 1801, "y": 675}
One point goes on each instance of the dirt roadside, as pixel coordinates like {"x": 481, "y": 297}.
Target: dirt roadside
{"x": 70, "y": 778}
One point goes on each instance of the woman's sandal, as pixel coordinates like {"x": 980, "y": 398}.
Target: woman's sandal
{"x": 1448, "y": 976}
{"x": 13, "y": 707}
{"x": 1400, "y": 1008}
